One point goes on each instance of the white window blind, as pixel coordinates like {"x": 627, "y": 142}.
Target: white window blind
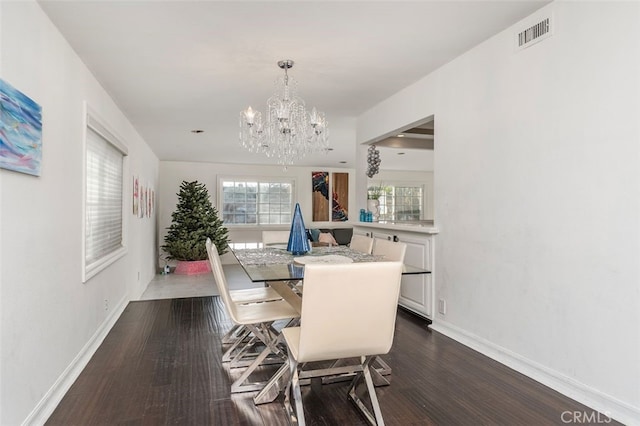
{"x": 103, "y": 234}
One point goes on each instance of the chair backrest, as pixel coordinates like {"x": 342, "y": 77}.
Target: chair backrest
{"x": 221, "y": 280}
{"x": 393, "y": 251}
{"x": 348, "y": 310}
{"x": 275, "y": 237}
{"x": 361, "y": 243}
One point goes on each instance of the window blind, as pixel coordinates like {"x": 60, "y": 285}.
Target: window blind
{"x": 104, "y": 185}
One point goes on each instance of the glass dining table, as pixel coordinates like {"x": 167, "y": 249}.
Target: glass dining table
{"x": 275, "y": 263}
{"x": 280, "y": 269}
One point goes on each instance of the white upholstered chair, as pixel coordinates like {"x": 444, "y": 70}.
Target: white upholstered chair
{"x": 244, "y": 296}
{"x": 393, "y": 251}
{"x": 257, "y": 317}
{"x": 361, "y": 243}
{"x": 238, "y": 333}
{"x": 338, "y": 321}
{"x": 275, "y": 237}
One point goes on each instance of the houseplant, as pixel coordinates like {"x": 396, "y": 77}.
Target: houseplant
{"x": 193, "y": 221}
{"x": 375, "y": 192}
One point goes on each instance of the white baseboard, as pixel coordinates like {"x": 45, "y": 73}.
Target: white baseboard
{"x": 54, "y": 395}
{"x": 593, "y": 398}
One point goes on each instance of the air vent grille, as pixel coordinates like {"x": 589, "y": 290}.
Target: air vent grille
{"x": 534, "y": 34}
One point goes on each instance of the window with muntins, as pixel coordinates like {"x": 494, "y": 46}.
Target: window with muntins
{"x": 402, "y": 202}
{"x": 103, "y": 198}
{"x": 257, "y": 202}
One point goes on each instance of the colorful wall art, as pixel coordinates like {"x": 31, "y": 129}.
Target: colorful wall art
{"x": 320, "y": 201}
{"x": 337, "y": 204}
{"x": 20, "y": 131}
{"x": 136, "y": 203}
{"x": 144, "y": 198}
{"x": 340, "y": 197}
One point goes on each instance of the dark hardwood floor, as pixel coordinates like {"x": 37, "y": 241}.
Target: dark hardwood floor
{"x": 160, "y": 364}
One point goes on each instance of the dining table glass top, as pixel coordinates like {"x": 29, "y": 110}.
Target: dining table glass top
{"x": 275, "y": 263}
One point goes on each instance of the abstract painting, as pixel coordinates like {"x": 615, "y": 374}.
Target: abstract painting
{"x": 20, "y": 131}
{"x": 142, "y": 201}
{"x": 340, "y": 197}
{"x": 320, "y": 202}
{"x": 136, "y": 203}
{"x": 323, "y": 203}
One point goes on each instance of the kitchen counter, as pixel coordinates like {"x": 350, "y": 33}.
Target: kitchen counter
{"x": 421, "y": 227}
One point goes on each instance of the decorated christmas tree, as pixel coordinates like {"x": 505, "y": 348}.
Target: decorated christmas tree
{"x": 194, "y": 220}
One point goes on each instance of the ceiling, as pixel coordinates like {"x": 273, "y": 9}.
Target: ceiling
{"x": 178, "y": 66}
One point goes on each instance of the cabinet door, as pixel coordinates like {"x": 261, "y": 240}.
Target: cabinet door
{"x": 415, "y": 291}
{"x": 363, "y": 231}
{"x": 383, "y": 235}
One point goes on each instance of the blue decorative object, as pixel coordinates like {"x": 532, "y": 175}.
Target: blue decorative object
{"x": 296, "y": 272}
{"x": 298, "y": 241}
{"x": 315, "y": 235}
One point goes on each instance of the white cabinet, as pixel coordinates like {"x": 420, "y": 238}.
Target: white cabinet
{"x": 416, "y": 292}
{"x": 363, "y": 231}
{"x": 383, "y": 235}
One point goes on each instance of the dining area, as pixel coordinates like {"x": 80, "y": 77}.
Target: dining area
{"x": 163, "y": 362}
{"x": 322, "y": 316}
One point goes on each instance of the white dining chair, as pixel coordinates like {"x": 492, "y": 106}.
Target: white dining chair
{"x": 257, "y": 317}
{"x": 239, "y": 335}
{"x": 337, "y": 322}
{"x": 361, "y": 243}
{"x": 245, "y": 296}
{"x": 393, "y": 251}
{"x": 275, "y": 237}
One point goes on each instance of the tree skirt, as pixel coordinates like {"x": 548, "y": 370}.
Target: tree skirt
{"x": 195, "y": 267}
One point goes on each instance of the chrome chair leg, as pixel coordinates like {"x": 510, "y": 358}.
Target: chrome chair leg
{"x": 377, "y": 373}
{"x": 241, "y": 353}
{"x": 374, "y": 418}
{"x": 272, "y": 344}
{"x": 233, "y": 334}
{"x": 237, "y": 346}
{"x": 295, "y": 411}
{"x": 276, "y": 384}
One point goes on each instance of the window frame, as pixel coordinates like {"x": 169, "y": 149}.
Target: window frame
{"x": 93, "y": 121}
{"x": 403, "y": 183}
{"x": 258, "y": 179}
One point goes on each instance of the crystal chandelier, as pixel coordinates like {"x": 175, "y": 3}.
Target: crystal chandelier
{"x": 288, "y": 132}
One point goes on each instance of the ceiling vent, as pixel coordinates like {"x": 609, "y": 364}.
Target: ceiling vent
{"x": 532, "y": 34}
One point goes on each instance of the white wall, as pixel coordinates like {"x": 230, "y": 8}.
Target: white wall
{"x": 537, "y": 200}
{"x": 172, "y": 173}
{"x": 50, "y": 320}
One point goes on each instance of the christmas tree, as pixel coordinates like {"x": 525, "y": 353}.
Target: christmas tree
{"x": 194, "y": 220}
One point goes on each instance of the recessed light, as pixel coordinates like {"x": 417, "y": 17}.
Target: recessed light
{"x": 197, "y": 131}
{"x": 343, "y": 162}
{"x": 401, "y": 135}
{"x": 329, "y": 149}
{"x": 401, "y": 153}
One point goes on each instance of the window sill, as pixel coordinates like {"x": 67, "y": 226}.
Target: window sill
{"x": 89, "y": 271}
